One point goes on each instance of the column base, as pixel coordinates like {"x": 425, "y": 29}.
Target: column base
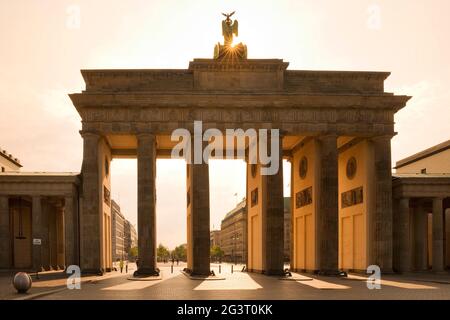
{"x": 267, "y": 272}
{"x": 197, "y": 273}
{"x": 274, "y": 272}
{"x": 388, "y": 271}
{"x": 255, "y": 271}
{"x": 146, "y": 272}
{"x": 401, "y": 271}
{"x": 331, "y": 273}
{"x": 99, "y": 272}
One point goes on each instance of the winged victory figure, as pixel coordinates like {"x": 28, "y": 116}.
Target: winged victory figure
{"x": 229, "y": 50}
{"x": 229, "y": 28}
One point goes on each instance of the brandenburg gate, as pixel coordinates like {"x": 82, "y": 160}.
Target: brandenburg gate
{"x": 335, "y": 129}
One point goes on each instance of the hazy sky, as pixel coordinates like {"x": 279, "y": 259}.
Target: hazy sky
{"x": 44, "y": 44}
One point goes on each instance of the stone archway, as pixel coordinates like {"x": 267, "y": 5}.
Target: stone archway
{"x": 319, "y": 114}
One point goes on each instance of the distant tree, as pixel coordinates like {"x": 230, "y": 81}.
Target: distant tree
{"x": 216, "y": 253}
{"x": 162, "y": 252}
{"x": 180, "y": 253}
{"x": 133, "y": 253}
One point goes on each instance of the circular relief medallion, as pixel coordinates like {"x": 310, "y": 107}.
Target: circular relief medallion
{"x": 351, "y": 168}
{"x": 303, "y": 167}
{"x": 254, "y": 167}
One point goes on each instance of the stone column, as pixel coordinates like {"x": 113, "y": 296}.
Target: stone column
{"x": 5, "y": 236}
{"x": 60, "y": 237}
{"x": 292, "y": 239}
{"x": 438, "y": 235}
{"x": 420, "y": 238}
{"x": 90, "y": 226}
{"x": 46, "y": 245}
{"x": 382, "y": 219}
{"x": 447, "y": 234}
{"x": 273, "y": 217}
{"x": 70, "y": 229}
{"x": 51, "y": 243}
{"x": 328, "y": 211}
{"x": 403, "y": 256}
{"x": 199, "y": 224}
{"x": 37, "y": 232}
{"x": 146, "y": 158}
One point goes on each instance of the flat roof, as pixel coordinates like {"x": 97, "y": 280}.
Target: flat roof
{"x": 423, "y": 154}
{"x": 241, "y": 205}
{"x": 39, "y": 177}
{"x": 39, "y": 174}
{"x": 421, "y": 175}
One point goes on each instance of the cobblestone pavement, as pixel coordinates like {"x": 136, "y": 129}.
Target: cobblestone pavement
{"x": 242, "y": 285}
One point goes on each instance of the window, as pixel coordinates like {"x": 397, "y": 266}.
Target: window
{"x": 423, "y": 171}
{"x": 3, "y": 169}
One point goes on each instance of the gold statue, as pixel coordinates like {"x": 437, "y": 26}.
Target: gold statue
{"x": 229, "y": 28}
{"x": 228, "y": 50}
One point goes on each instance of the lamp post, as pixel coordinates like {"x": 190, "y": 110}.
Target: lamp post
{"x": 235, "y": 237}
{"x": 123, "y": 245}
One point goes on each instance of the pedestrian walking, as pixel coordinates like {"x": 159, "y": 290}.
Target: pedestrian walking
{"x": 121, "y": 265}
{"x": 126, "y": 267}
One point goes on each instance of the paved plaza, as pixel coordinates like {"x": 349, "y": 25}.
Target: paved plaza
{"x": 241, "y": 285}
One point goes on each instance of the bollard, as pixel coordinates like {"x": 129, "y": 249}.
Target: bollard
{"x": 22, "y": 282}
{"x": 231, "y": 268}
{"x": 171, "y": 269}
{"x": 220, "y": 270}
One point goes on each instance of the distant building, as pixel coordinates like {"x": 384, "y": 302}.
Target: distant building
{"x": 233, "y": 234}
{"x": 287, "y": 229}
{"x": 130, "y": 236}
{"x": 8, "y": 162}
{"x": 432, "y": 160}
{"x": 420, "y": 188}
{"x": 123, "y": 233}
{"x": 118, "y": 233}
{"x": 215, "y": 238}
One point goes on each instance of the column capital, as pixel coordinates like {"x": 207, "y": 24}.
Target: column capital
{"x": 404, "y": 201}
{"x": 381, "y": 137}
{"x": 289, "y": 159}
{"x": 326, "y": 136}
{"x": 144, "y": 134}
{"x": 90, "y": 134}
{"x": 282, "y": 133}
